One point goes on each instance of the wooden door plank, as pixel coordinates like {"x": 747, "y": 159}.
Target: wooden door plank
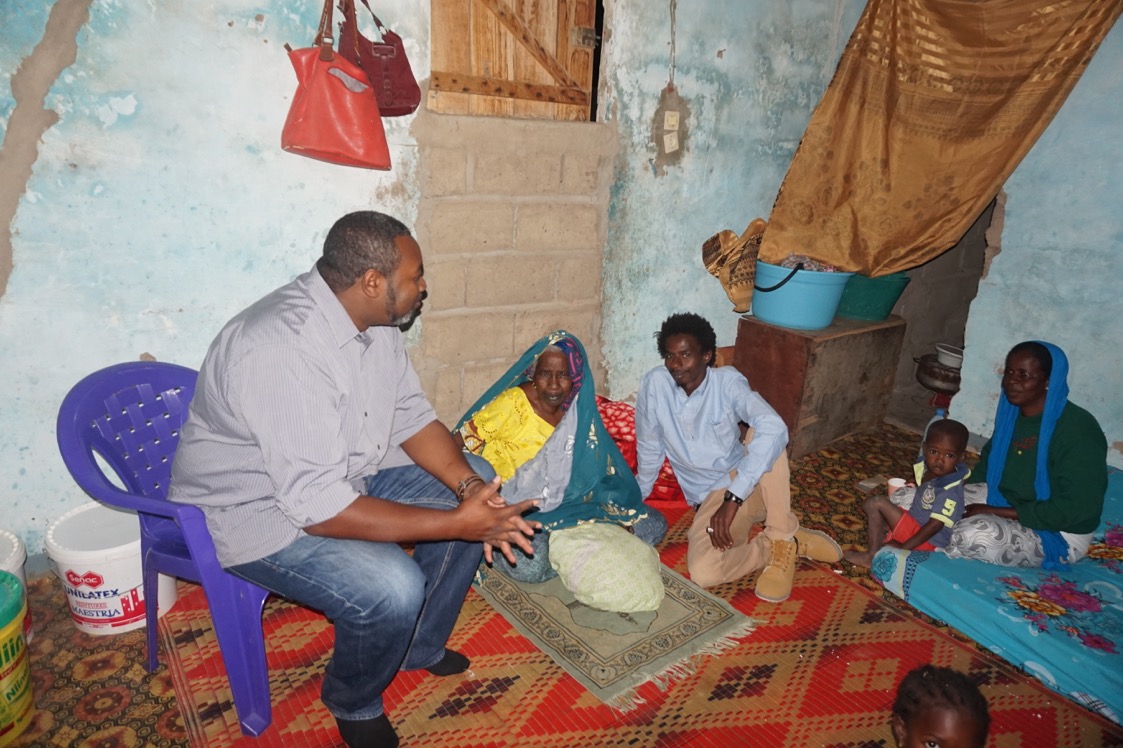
{"x": 451, "y": 82}
{"x": 525, "y": 37}
{"x": 490, "y": 47}
{"x": 518, "y": 58}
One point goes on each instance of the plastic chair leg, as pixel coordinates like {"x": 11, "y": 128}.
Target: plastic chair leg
{"x": 151, "y": 606}
{"x": 236, "y": 608}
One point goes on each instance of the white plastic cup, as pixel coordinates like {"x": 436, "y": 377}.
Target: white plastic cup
{"x": 894, "y": 484}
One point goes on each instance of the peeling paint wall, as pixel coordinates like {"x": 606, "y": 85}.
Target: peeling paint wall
{"x": 751, "y": 73}
{"x": 1059, "y": 275}
{"x": 160, "y": 202}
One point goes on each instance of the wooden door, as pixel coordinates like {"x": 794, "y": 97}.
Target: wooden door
{"x": 513, "y": 58}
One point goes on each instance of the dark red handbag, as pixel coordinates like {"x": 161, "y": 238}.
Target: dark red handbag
{"x": 334, "y": 116}
{"x": 385, "y": 63}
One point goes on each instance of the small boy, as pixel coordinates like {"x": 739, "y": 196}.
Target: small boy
{"x": 939, "y": 501}
{"x": 939, "y": 706}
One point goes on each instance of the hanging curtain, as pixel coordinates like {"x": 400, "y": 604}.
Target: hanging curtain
{"x": 933, "y": 105}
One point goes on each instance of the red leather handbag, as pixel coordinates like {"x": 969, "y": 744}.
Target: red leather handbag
{"x": 334, "y": 115}
{"x": 384, "y": 62}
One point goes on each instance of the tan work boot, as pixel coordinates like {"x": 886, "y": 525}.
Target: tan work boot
{"x": 775, "y": 582}
{"x": 817, "y": 546}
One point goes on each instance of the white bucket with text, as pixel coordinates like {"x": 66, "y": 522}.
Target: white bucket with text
{"x": 95, "y": 550}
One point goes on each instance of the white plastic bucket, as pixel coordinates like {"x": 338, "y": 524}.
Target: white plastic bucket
{"x": 95, "y": 550}
{"x": 13, "y": 556}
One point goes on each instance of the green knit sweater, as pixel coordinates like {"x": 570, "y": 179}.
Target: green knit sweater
{"x": 1077, "y": 472}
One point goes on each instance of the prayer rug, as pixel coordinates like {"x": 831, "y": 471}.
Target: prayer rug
{"x": 613, "y": 654}
{"x": 820, "y": 669}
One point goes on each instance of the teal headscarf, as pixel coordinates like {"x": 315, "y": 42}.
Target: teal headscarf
{"x": 601, "y": 485}
{"x": 1053, "y": 543}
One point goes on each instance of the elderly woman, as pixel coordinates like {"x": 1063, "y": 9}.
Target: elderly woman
{"x": 1045, "y": 470}
{"x": 539, "y": 428}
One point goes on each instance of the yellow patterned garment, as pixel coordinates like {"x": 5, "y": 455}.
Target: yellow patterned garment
{"x": 506, "y": 432}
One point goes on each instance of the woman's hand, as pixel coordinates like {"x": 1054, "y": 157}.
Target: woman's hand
{"x": 974, "y": 510}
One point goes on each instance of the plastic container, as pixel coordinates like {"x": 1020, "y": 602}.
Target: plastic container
{"x": 803, "y": 300}
{"x": 95, "y": 550}
{"x": 949, "y": 355}
{"x": 13, "y": 557}
{"x": 16, "y": 702}
{"x": 871, "y": 298}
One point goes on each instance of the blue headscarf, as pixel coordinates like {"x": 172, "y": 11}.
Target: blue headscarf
{"x": 1052, "y": 542}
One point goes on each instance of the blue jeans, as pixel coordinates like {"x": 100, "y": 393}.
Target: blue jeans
{"x": 391, "y": 611}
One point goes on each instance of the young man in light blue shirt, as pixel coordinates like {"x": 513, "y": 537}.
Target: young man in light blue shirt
{"x": 691, "y": 413}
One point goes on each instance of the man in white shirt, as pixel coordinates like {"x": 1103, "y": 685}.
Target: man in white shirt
{"x": 691, "y": 413}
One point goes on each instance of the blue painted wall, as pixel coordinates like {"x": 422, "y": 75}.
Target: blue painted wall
{"x": 1059, "y": 276}
{"x": 751, "y": 73}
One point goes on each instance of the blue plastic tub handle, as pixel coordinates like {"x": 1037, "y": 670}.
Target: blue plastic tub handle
{"x": 796, "y": 269}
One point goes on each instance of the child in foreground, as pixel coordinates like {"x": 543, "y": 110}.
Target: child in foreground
{"x": 938, "y": 707}
{"x": 938, "y": 503}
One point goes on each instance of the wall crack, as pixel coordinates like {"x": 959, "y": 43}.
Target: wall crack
{"x": 56, "y": 51}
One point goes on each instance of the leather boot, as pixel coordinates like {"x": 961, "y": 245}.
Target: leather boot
{"x": 775, "y": 582}
{"x": 817, "y": 546}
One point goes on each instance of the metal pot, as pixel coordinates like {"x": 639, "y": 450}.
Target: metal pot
{"x": 935, "y": 376}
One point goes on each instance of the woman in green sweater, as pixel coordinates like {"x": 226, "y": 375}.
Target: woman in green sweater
{"x": 1045, "y": 470}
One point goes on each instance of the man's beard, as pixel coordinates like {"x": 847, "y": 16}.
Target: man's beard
{"x": 391, "y": 305}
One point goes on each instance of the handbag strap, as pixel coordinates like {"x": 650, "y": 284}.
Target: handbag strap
{"x": 377, "y": 21}
{"x": 324, "y": 38}
{"x": 350, "y": 27}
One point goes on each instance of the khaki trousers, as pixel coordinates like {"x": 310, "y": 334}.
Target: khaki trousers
{"x": 770, "y": 502}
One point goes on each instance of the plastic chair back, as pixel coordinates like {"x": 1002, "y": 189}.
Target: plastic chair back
{"x": 130, "y": 416}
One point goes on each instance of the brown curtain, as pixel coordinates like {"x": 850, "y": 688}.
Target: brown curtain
{"x": 933, "y": 105}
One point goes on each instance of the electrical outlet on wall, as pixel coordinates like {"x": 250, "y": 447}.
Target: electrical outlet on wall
{"x": 670, "y": 130}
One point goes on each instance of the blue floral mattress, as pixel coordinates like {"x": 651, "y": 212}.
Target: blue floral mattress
{"x": 1065, "y": 629}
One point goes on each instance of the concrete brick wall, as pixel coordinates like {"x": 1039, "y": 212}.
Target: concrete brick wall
{"x": 512, "y": 225}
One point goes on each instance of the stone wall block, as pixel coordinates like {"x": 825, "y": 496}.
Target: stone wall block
{"x": 582, "y": 320}
{"x": 458, "y": 226}
{"x": 558, "y": 226}
{"x": 445, "y": 395}
{"x": 579, "y": 278}
{"x": 511, "y": 280}
{"x": 445, "y": 172}
{"x": 445, "y": 282}
{"x": 516, "y": 174}
{"x": 480, "y": 375}
{"x": 580, "y": 174}
{"x": 456, "y": 338}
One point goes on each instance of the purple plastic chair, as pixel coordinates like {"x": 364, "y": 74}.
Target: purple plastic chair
{"x": 130, "y": 415}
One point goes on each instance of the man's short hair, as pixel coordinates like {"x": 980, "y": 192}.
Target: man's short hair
{"x": 688, "y": 323}
{"x": 360, "y": 241}
{"x": 953, "y": 430}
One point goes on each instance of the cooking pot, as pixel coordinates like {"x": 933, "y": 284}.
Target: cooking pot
{"x": 935, "y": 376}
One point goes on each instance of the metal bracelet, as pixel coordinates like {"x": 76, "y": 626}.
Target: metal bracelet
{"x": 462, "y": 486}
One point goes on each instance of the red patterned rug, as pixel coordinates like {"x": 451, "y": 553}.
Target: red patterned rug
{"x": 820, "y": 669}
